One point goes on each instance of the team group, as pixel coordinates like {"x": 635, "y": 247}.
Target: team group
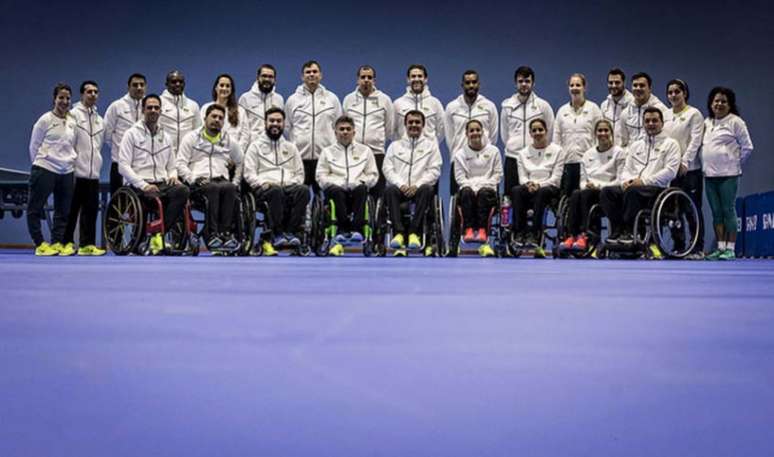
{"x": 620, "y": 154}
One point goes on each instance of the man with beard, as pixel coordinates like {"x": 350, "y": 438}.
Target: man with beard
{"x": 202, "y": 163}
{"x": 120, "y": 115}
{"x": 275, "y": 172}
{"x": 311, "y": 110}
{"x": 179, "y": 114}
{"x": 419, "y": 98}
{"x": 632, "y": 117}
{"x": 517, "y": 112}
{"x": 261, "y": 97}
{"x": 373, "y": 113}
{"x": 468, "y": 106}
{"x": 147, "y": 162}
{"x": 616, "y": 102}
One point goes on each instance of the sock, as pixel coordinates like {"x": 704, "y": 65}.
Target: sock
{"x": 721, "y": 245}
{"x": 730, "y": 246}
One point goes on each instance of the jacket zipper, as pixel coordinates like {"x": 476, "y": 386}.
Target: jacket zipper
{"x": 313, "y": 124}
{"x": 365, "y": 111}
{"x": 91, "y": 143}
{"x": 346, "y": 163}
{"x": 411, "y": 160}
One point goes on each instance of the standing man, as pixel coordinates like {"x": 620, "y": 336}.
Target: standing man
{"x": 89, "y": 134}
{"x": 147, "y": 162}
{"x": 419, "y": 98}
{"x": 463, "y": 109}
{"x": 634, "y": 127}
{"x": 617, "y": 100}
{"x": 261, "y": 97}
{"x": 179, "y": 114}
{"x": 119, "y": 117}
{"x": 311, "y": 112}
{"x": 373, "y": 113}
{"x": 517, "y": 112}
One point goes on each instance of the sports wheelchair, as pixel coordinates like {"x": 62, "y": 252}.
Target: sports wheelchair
{"x": 243, "y": 223}
{"x": 131, "y": 219}
{"x": 494, "y": 229}
{"x": 433, "y": 244}
{"x": 256, "y": 226}
{"x": 325, "y": 227}
{"x": 555, "y": 210}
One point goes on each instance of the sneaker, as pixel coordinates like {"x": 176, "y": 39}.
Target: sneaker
{"x": 341, "y": 238}
{"x": 518, "y": 239}
{"x": 581, "y": 243}
{"x": 486, "y": 251}
{"x": 64, "y": 249}
{"x": 469, "y": 237}
{"x": 714, "y": 255}
{"x": 695, "y": 256}
{"x": 567, "y": 243}
{"x": 655, "y": 252}
{"x": 230, "y": 242}
{"x": 397, "y": 241}
{"x": 399, "y": 253}
{"x": 414, "y": 241}
{"x": 292, "y": 240}
{"x": 530, "y": 239}
{"x": 540, "y": 253}
{"x": 482, "y": 236}
{"x": 214, "y": 242}
{"x": 91, "y": 250}
{"x": 44, "y": 249}
{"x": 268, "y": 249}
{"x": 728, "y": 254}
{"x": 428, "y": 251}
{"x": 336, "y": 250}
{"x": 156, "y": 244}
{"x": 279, "y": 241}
{"x": 356, "y": 237}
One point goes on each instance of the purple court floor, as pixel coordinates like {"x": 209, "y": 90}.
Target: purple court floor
{"x": 385, "y": 357}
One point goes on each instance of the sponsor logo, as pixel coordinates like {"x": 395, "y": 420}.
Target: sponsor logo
{"x": 752, "y": 223}
{"x": 768, "y": 221}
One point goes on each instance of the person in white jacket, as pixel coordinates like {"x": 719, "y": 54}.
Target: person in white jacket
{"x": 469, "y": 105}
{"x": 617, "y": 100}
{"x": 88, "y": 146}
{"x": 601, "y": 166}
{"x": 261, "y": 96}
{"x": 727, "y": 145}
{"x": 574, "y": 130}
{"x": 541, "y": 165}
{"x": 311, "y": 112}
{"x": 412, "y": 167}
{"x": 274, "y": 171}
{"x": 52, "y": 153}
{"x": 418, "y": 98}
{"x": 687, "y": 127}
{"x": 373, "y": 113}
{"x": 479, "y": 171}
{"x": 146, "y": 160}
{"x": 236, "y": 123}
{"x": 517, "y": 112}
{"x": 632, "y": 117}
{"x": 651, "y": 164}
{"x": 203, "y": 162}
{"x": 346, "y": 171}
{"x": 179, "y": 114}
{"x": 119, "y": 117}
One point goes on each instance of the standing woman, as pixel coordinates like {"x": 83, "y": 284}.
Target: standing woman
{"x": 727, "y": 145}
{"x": 52, "y": 152}
{"x": 236, "y": 123}
{"x": 687, "y": 127}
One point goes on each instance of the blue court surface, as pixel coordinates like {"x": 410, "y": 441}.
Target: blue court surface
{"x": 385, "y": 357}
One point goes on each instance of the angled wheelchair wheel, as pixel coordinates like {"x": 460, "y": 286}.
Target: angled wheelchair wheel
{"x": 380, "y": 228}
{"x": 124, "y": 225}
{"x": 455, "y": 229}
{"x": 675, "y": 223}
{"x": 438, "y": 242}
{"x": 247, "y": 225}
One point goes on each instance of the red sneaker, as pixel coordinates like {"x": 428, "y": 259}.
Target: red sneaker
{"x": 568, "y": 242}
{"x": 581, "y": 243}
{"x": 469, "y": 237}
{"x": 481, "y": 237}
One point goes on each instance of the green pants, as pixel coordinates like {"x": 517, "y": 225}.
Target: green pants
{"x": 721, "y": 194}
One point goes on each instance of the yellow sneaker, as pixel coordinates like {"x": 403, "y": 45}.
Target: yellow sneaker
{"x": 268, "y": 249}
{"x": 655, "y": 252}
{"x": 45, "y": 249}
{"x": 64, "y": 249}
{"x": 336, "y": 250}
{"x": 414, "y": 241}
{"x": 397, "y": 241}
{"x": 428, "y": 251}
{"x": 156, "y": 244}
{"x": 399, "y": 253}
{"x": 91, "y": 250}
{"x": 486, "y": 251}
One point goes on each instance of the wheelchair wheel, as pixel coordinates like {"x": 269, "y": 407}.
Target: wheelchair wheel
{"x": 439, "y": 245}
{"x": 455, "y": 231}
{"x": 247, "y": 225}
{"x": 675, "y": 223}
{"x": 317, "y": 241}
{"x": 561, "y": 216}
{"x": 180, "y": 236}
{"x": 380, "y": 228}
{"x": 124, "y": 225}
{"x": 368, "y": 235}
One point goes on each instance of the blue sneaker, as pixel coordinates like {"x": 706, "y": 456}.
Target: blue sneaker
{"x": 279, "y": 241}
{"x": 341, "y": 238}
{"x": 292, "y": 240}
{"x": 356, "y": 237}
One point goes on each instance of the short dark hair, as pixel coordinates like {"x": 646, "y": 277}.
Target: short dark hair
{"x": 653, "y": 109}
{"x": 545, "y": 126}
{"x": 136, "y": 75}
{"x": 266, "y": 66}
{"x": 214, "y": 107}
{"x": 681, "y": 84}
{"x": 642, "y": 74}
{"x": 87, "y": 83}
{"x": 524, "y": 71}
{"x": 730, "y": 95}
{"x": 469, "y": 72}
{"x": 148, "y": 97}
{"x": 414, "y": 112}
{"x": 365, "y": 67}
{"x": 473, "y": 121}
{"x": 416, "y": 66}
{"x": 616, "y": 72}
{"x": 173, "y": 72}
{"x": 60, "y": 87}
{"x": 344, "y": 120}
{"x": 274, "y": 110}
{"x": 309, "y": 63}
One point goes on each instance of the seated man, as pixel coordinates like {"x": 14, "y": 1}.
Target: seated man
{"x": 541, "y": 165}
{"x": 600, "y": 167}
{"x": 146, "y": 160}
{"x": 202, "y": 162}
{"x": 651, "y": 164}
{"x": 346, "y": 171}
{"x": 478, "y": 171}
{"x": 412, "y": 166}
{"x": 275, "y": 173}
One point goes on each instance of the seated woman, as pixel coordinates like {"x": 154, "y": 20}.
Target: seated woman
{"x": 540, "y": 169}
{"x": 478, "y": 171}
{"x": 601, "y": 166}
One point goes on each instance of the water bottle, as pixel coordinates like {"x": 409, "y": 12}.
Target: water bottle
{"x": 505, "y": 212}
